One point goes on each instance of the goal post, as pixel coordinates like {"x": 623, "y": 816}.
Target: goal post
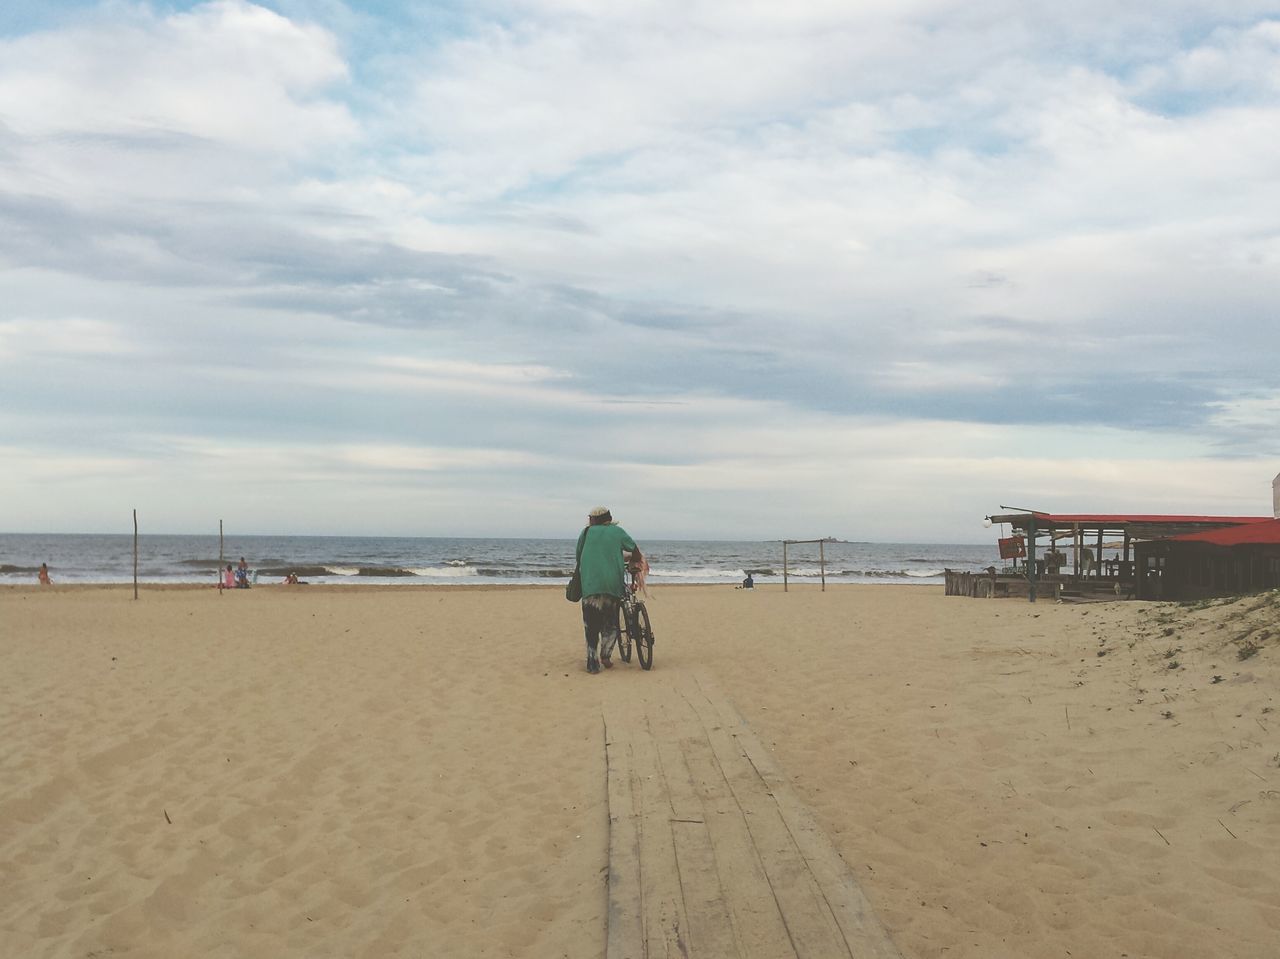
{"x": 822, "y": 560}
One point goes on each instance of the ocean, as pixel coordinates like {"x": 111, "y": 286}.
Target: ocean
{"x": 83, "y": 558}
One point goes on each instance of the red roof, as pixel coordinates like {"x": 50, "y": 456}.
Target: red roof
{"x": 1268, "y": 531}
{"x": 1120, "y": 519}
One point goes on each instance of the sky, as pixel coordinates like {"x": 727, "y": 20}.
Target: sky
{"x": 738, "y": 270}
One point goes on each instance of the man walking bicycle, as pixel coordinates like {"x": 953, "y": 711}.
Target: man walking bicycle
{"x": 602, "y": 566}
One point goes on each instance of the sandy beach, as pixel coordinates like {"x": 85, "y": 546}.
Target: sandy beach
{"x": 316, "y": 772}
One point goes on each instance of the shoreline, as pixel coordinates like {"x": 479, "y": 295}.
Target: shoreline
{"x": 87, "y": 560}
{"x": 449, "y": 587}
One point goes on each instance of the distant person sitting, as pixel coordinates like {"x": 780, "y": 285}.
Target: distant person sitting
{"x": 44, "y": 575}
{"x": 747, "y": 583}
{"x": 229, "y": 578}
{"x": 242, "y": 575}
{"x": 291, "y": 579}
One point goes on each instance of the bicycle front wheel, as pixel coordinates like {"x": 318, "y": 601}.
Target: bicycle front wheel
{"x": 624, "y": 635}
{"x": 643, "y": 637}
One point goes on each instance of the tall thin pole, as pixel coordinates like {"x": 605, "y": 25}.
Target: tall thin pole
{"x": 135, "y": 554}
{"x": 784, "y": 565}
{"x": 1031, "y": 558}
{"x": 219, "y": 557}
{"x": 822, "y": 564}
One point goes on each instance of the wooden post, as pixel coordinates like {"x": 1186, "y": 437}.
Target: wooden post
{"x": 822, "y": 564}
{"x": 135, "y": 554}
{"x": 1031, "y": 558}
{"x": 784, "y": 565}
{"x": 219, "y": 557}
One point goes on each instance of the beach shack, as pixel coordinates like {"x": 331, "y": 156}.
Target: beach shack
{"x": 1078, "y": 555}
{"x": 1228, "y": 561}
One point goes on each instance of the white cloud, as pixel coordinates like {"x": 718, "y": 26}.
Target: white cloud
{"x": 227, "y": 71}
{"x": 676, "y": 251}
{"x": 923, "y": 377}
{"x": 1245, "y": 62}
{"x": 425, "y": 459}
{"x": 1255, "y": 416}
{"x": 37, "y": 473}
{"x": 489, "y": 373}
{"x": 204, "y": 111}
{"x": 25, "y": 339}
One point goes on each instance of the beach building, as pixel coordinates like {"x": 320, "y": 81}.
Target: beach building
{"x": 1081, "y": 555}
{"x": 1222, "y": 562}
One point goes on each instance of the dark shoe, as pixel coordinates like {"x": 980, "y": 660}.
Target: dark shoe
{"x": 606, "y": 662}
{"x": 593, "y": 666}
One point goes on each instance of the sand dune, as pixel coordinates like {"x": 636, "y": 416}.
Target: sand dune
{"x": 301, "y": 772}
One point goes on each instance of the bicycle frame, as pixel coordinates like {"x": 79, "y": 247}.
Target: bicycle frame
{"x": 629, "y": 601}
{"x": 634, "y": 623}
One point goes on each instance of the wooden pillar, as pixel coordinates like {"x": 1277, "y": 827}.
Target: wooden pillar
{"x": 822, "y": 565}
{"x": 219, "y": 557}
{"x": 1031, "y": 559}
{"x": 784, "y": 565}
{"x": 135, "y": 554}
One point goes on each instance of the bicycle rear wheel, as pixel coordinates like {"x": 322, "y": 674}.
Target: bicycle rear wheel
{"x": 643, "y": 637}
{"x": 624, "y": 635}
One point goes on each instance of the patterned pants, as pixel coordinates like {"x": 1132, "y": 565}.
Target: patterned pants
{"x": 600, "y": 622}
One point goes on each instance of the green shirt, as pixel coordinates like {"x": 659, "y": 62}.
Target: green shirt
{"x": 600, "y": 559}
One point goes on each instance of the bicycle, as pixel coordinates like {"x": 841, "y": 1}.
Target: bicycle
{"x": 633, "y": 626}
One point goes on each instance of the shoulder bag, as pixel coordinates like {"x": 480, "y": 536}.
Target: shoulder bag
{"x": 573, "y": 590}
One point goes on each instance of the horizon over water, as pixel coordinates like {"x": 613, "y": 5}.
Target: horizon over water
{"x": 402, "y": 560}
